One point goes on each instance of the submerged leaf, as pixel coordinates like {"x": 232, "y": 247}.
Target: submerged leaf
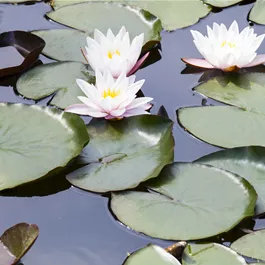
{"x": 151, "y": 255}
{"x": 224, "y": 126}
{"x": 188, "y": 201}
{"x": 251, "y": 245}
{"x": 44, "y": 137}
{"x": 18, "y": 240}
{"x": 55, "y": 78}
{"x": 248, "y": 162}
{"x": 121, "y": 154}
{"x": 211, "y": 254}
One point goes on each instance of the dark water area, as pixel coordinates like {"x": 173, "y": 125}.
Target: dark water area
{"x": 76, "y": 227}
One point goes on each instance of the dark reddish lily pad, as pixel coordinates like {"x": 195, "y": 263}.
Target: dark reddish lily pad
{"x": 21, "y": 50}
{"x": 17, "y": 240}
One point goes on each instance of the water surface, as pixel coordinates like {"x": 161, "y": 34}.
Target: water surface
{"x": 76, "y": 227}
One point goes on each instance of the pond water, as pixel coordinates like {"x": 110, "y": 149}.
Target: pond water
{"x": 76, "y": 227}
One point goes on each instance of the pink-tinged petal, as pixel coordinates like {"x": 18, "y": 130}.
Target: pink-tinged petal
{"x": 134, "y": 112}
{"x": 138, "y": 102}
{"x": 201, "y": 63}
{"x": 138, "y": 64}
{"x": 260, "y": 59}
{"x": 89, "y": 103}
{"x": 117, "y": 112}
{"x": 82, "y": 109}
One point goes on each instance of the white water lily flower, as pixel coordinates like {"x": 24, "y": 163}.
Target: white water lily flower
{"x": 114, "y": 53}
{"x": 227, "y": 49}
{"x": 111, "y": 98}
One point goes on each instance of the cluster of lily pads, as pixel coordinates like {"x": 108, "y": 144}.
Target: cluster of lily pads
{"x": 132, "y": 158}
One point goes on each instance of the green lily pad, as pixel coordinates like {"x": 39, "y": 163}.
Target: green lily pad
{"x": 222, "y": 3}
{"x": 63, "y": 44}
{"x": 251, "y": 245}
{"x": 189, "y": 201}
{"x": 135, "y": 20}
{"x": 151, "y": 254}
{"x": 245, "y": 91}
{"x": 55, "y": 78}
{"x": 248, "y": 162}
{"x": 18, "y": 240}
{"x": 43, "y": 137}
{"x": 257, "y": 13}
{"x": 173, "y": 14}
{"x": 224, "y": 126}
{"x": 121, "y": 154}
{"x": 211, "y": 254}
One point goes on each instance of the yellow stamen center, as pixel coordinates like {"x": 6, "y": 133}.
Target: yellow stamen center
{"x": 230, "y": 44}
{"x": 111, "y": 54}
{"x": 110, "y": 93}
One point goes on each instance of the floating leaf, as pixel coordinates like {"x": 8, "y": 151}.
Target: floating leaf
{"x": 173, "y": 14}
{"x": 242, "y": 90}
{"x": 257, "y": 12}
{"x": 18, "y": 240}
{"x": 251, "y": 245}
{"x": 211, "y": 254}
{"x": 43, "y": 137}
{"x": 190, "y": 201}
{"x": 63, "y": 44}
{"x": 135, "y": 20}
{"x": 222, "y": 3}
{"x": 151, "y": 254}
{"x": 224, "y": 126}
{"x": 121, "y": 154}
{"x": 58, "y": 78}
{"x": 248, "y": 162}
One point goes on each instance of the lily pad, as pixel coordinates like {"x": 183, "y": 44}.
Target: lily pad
{"x": 135, "y": 20}
{"x": 151, "y": 254}
{"x": 187, "y": 202}
{"x": 224, "y": 126}
{"x": 211, "y": 254}
{"x": 19, "y": 239}
{"x": 63, "y": 44}
{"x": 55, "y": 78}
{"x": 43, "y": 137}
{"x": 257, "y": 13}
{"x": 121, "y": 154}
{"x": 173, "y": 14}
{"x": 248, "y": 162}
{"x": 222, "y": 3}
{"x": 251, "y": 245}
{"x": 242, "y": 90}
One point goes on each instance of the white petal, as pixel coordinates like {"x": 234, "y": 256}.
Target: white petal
{"x": 259, "y": 59}
{"x": 98, "y": 36}
{"x": 117, "y": 112}
{"x": 82, "y": 109}
{"x": 234, "y": 28}
{"x": 89, "y": 103}
{"x": 139, "y": 102}
{"x": 134, "y": 112}
{"x": 89, "y": 90}
{"x": 110, "y": 35}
